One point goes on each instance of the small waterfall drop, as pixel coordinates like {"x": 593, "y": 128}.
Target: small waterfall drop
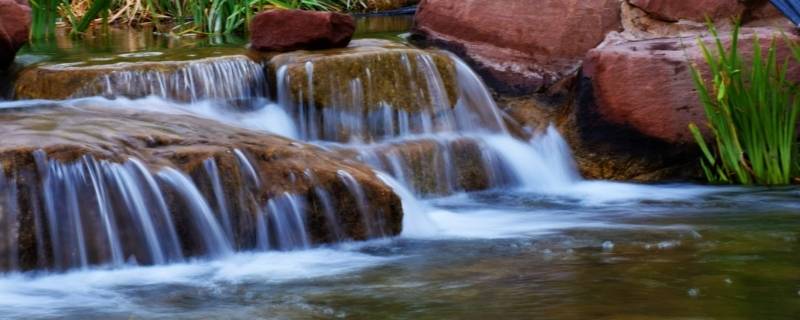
{"x": 449, "y": 138}
{"x": 202, "y": 216}
{"x": 224, "y": 78}
{"x": 92, "y": 212}
{"x": 429, "y": 127}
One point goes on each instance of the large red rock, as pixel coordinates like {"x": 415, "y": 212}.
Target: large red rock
{"x": 289, "y": 30}
{"x": 696, "y": 10}
{"x": 518, "y": 46}
{"x": 15, "y": 21}
{"x": 647, "y": 85}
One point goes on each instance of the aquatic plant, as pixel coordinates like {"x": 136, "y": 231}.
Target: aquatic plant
{"x": 188, "y": 16}
{"x": 752, "y": 111}
{"x": 44, "y": 14}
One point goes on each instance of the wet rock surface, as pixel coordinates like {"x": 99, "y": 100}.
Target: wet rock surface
{"x": 364, "y": 90}
{"x": 181, "y": 80}
{"x": 518, "y": 46}
{"x": 431, "y": 166}
{"x": 15, "y": 21}
{"x": 98, "y": 134}
{"x": 388, "y": 71}
{"x": 288, "y": 30}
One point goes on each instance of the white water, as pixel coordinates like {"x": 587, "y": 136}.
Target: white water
{"x": 104, "y": 289}
{"x": 541, "y": 169}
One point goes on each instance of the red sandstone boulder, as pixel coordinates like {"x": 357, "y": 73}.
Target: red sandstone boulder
{"x": 289, "y": 30}
{"x": 15, "y": 21}
{"x": 518, "y": 46}
{"x": 696, "y": 10}
{"x": 647, "y": 85}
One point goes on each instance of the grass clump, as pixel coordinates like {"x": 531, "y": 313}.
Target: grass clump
{"x": 187, "y": 16}
{"x": 752, "y": 110}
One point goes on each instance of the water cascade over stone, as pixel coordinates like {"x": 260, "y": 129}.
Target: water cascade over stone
{"x": 228, "y": 78}
{"x": 110, "y": 187}
{"x": 424, "y": 117}
{"x": 95, "y": 181}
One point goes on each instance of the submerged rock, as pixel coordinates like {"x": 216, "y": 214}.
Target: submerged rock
{"x": 518, "y": 46}
{"x": 78, "y": 166}
{"x": 15, "y": 21}
{"x": 289, "y": 30}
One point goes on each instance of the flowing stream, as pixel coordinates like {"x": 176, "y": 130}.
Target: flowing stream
{"x": 493, "y": 224}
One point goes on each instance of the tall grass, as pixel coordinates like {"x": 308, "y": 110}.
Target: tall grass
{"x": 44, "y": 14}
{"x": 194, "y": 16}
{"x": 752, "y": 110}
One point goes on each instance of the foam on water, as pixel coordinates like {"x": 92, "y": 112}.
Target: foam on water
{"x": 267, "y": 116}
{"x": 22, "y": 295}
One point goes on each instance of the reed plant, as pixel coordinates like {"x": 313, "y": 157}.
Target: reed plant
{"x": 752, "y": 111}
{"x": 187, "y": 16}
{"x": 44, "y": 14}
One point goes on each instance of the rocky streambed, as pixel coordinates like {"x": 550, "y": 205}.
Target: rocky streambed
{"x": 196, "y": 179}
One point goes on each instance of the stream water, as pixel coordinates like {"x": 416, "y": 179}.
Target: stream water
{"x": 538, "y": 242}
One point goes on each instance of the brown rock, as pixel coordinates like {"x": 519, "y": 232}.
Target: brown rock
{"x": 15, "y": 20}
{"x": 696, "y": 10}
{"x": 184, "y": 142}
{"x": 289, "y": 30}
{"x": 518, "y": 46}
{"x": 362, "y": 81}
{"x": 187, "y": 80}
{"x": 647, "y": 86}
{"x": 430, "y": 166}
{"x": 383, "y": 5}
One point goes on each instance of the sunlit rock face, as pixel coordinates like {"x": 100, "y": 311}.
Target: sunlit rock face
{"x": 15, "y": 21}
{"x": 218, "y": 78}
{"x": 97, "y": 184}
{"x": 518, "y": 46}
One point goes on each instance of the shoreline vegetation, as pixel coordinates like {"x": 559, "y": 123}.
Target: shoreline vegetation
{"x": 179, "y": 16}
{"x": 752, "y": 112}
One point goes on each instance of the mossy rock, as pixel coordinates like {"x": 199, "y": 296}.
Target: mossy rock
{"x": 182, "y": 80}
{"x": 390, "y": 74}
{"x": 185, "y": 143}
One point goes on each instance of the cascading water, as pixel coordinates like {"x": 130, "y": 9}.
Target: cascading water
{"x": 231, "y": 78}
{"x": 449, "y": 138}
{"x": 95, "y": 212}
{"x": 435, "y": 144}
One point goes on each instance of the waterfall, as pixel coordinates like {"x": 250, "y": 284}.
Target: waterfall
{"x": 351, "y": 110}
{"x": 286, "y": 222}
{"x": 88, "y": 212}
{"x": 437, "y": 143}
{"x": 224, "y": 78}
{"x": 443, "y": 135}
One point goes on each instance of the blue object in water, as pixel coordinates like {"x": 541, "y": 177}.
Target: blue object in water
{"x": 790, "y": 8}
